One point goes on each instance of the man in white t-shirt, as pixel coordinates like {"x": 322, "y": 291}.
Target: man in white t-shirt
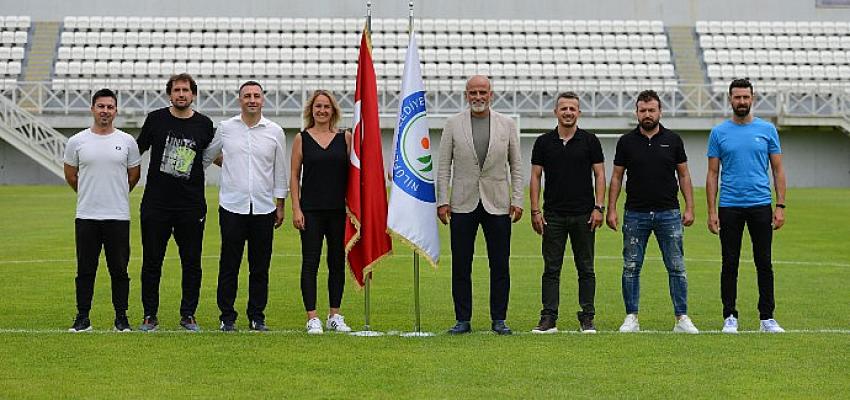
{"x": 254, "y": 185}
{"x": 102, "y": 166}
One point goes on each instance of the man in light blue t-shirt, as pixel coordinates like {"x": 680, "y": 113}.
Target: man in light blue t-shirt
{"x": 744, "y": 146}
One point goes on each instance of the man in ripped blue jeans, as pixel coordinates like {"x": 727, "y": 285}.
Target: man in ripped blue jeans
{"x": 654, "y": 159}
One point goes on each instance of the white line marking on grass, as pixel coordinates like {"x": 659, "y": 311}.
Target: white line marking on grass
{"x": 480, "y": 256}
{"x": 291, "y": 332}
{"x": 160, "y": 331}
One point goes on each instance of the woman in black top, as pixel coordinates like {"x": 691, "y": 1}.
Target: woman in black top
{"x": 318, "y": 186}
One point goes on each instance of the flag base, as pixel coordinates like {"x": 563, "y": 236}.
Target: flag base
{"x": 417, "y": 334}
{"x": 367, "y": 333}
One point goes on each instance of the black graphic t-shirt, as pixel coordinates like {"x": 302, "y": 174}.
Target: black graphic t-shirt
{"x": 175, "y": 178}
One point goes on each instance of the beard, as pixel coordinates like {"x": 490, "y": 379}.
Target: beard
{"x": 742, "y": 111}
{"x": 648, "y": 124}
{"x": 478, "y": 107}
{"x": 182, "y": 106}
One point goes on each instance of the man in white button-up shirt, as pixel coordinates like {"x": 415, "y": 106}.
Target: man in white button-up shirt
{"x": 254, "y": 184}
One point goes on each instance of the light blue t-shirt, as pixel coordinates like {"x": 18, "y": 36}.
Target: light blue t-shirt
{"x": 744, "y": 152}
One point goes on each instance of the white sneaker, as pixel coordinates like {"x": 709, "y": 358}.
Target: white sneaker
{"x": 314, "y": 326}
{"x": 336, "y": 322}
{"x": 770, "y": 326}
{"x": 730, "y": 325}
{"x": 685, "y": 325}
{"x": 630, "y": 324}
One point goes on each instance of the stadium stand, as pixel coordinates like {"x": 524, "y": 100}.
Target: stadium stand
{"x": 138, "y": 52}
{"x": 789, "y": 55}
{"x": 14, "y": 36}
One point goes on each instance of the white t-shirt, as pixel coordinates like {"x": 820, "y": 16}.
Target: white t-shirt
{"x": 103, "y": 191}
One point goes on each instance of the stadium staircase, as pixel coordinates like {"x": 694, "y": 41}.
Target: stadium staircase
{"x": 32, "y": 137}
{"x": 42, "y": 52}
{"x": 40, "y": 59}
{"x": 686, "y": 58}
{"x": 685, "y": 55}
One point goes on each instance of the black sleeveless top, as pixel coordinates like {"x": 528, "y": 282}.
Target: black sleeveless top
{"x": 324, "y": 173}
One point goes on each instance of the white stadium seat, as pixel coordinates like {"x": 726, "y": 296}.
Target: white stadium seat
{"x": 637, "y": 51}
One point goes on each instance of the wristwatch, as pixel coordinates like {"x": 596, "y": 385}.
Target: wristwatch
{"x": 780, "y": 205}
{"x": 601, "y": 209}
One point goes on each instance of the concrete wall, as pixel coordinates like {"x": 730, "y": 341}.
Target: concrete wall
{"x": 672, "y": 12}
{"x": 811, "y": 157}
{"x": 18, "y": 169}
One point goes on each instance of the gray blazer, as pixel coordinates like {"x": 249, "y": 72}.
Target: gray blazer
{"x": 497, "y": 183}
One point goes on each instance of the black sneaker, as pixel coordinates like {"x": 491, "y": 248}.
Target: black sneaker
{"x": 460, "y": 328}
{"x": 81, "y": 324}
{"x": 227, "y": 326}
{"x": 258, "y": 325}
{"x": 149, "y": 324}
{"x": 500, "y": 328}
{"x": 587, "y": 325}
{"x": 547, "y": 324}
{"x": 122, "y": 324}
{"x": 190, "y": 324}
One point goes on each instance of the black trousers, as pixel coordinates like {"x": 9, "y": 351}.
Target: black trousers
{"x": 318, "y": 226}
{"x": 559, "y": 227}
{"x": 187, "y": 226}
{"x": 113, "y": 236}
{"x": 759, "y": 223}
{"x": 497, "y": 234}
{"x": 258, "y": 232}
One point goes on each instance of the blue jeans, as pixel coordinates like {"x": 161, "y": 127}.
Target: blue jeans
{"x": 667, "y": 226}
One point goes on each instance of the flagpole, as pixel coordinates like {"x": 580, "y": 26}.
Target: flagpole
{"x": 369, "y": 16}
{"x": 366, "y": 323}
{"x": 410, "y": 17}
{"x": 417, "y": 327}
{"x": 367, "y": 277}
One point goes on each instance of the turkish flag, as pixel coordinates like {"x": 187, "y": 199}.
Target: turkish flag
{"x": 366, "y": 237}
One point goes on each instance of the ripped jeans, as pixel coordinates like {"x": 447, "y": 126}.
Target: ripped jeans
{"x": 667, "y": 226}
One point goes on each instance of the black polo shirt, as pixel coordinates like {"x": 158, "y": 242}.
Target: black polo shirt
{"x": 651, "y": 183}
{"x": 568, "y": 170}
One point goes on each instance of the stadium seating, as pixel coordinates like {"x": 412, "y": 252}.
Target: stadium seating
{"x": 14, "y": 35}
{"x": 519, "y": 54}
{"x": 796, "y": 55}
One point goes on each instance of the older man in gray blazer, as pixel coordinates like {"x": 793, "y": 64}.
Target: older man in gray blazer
{"x": 480, "y": 155}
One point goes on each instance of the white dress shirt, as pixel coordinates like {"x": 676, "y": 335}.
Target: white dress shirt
{"x": 254, "y": 172}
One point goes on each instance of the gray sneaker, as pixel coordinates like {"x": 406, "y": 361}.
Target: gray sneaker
{"x": 227, "y": 326}
{"x": 258, "y": 325}
{"x": 586, "y": 325}
{"x": 149, "y": 324}
{"x": 190, "y": 324}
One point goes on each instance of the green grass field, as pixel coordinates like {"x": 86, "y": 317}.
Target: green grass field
{"x": 812, "y": 265}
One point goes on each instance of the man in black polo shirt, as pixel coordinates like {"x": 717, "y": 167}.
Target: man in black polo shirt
{"x": 572, "y": 208}
{"x": 653, "y": 156}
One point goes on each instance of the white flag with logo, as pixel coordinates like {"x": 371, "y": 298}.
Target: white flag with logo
{"x": 412, "y": 215}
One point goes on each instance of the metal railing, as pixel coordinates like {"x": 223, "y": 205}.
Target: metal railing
{"x": 22, "y": 105}
{"x": 521, "y": 98}
{"x": 31, "y": 136}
